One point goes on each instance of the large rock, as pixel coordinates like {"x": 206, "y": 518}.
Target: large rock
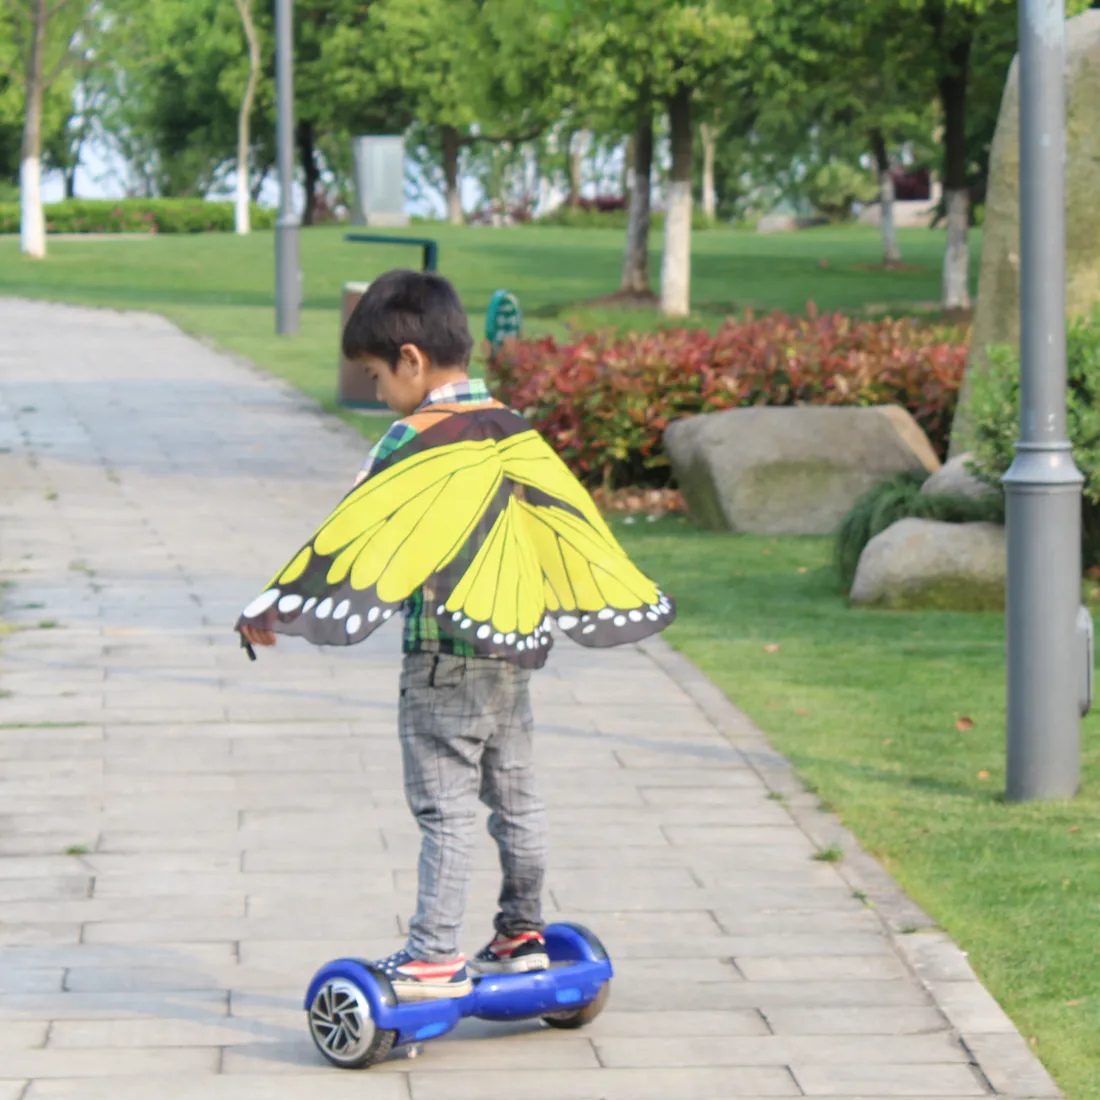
{"x": 794, "y": 471}
{"x": 922, "y": 563}
{"x": 955, "y": 480}
{"x": 997, "y": 315}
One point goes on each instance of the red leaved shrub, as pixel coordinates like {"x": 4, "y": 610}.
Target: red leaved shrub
{"x": 604, "y": 402}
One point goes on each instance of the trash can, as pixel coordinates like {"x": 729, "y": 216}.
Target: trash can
{"x": 356, "y": 387}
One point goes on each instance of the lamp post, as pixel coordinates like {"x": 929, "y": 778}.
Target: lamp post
{"x": 1043, "y": 485}
{"x": 288, "y": 276}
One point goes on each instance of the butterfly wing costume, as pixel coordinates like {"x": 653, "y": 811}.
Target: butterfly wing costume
{"x": 480, "y": 513}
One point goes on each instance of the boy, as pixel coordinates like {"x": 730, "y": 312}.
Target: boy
{"x": 491, "y": 540}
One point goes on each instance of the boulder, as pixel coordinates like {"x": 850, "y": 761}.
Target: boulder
{"x": 922, "y": 563}
{"x": 997, "y": 314}
{"x": 954, "y": 479}
{"x": 794, "y": 471}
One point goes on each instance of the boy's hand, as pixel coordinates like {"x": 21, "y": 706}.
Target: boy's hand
{"x": 256, "y": 636}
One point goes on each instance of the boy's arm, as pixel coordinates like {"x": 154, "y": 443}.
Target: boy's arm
{"x": 398, "y": 434}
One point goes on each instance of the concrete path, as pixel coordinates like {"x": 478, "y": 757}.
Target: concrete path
{"x": 185, "y": 837}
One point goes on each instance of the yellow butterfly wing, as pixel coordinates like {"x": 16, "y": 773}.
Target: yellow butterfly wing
{"x": 497, "y": 534}
{"x": 382, "y": 543}
{"x": 551, "y": 555}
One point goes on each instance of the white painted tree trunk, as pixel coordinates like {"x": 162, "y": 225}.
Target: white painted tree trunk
{"x": 891, "y": 254}
{"x": 243, "y": 219}
{"x": 676, "y": 258}
{"x": 956, "y": 260}
{"x": 710, "y": 198}
{"x": 32, "y": 218}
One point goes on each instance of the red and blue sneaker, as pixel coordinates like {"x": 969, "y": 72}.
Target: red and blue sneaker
{"x": 416, "y": 980}
{"x": 512, "y": 954}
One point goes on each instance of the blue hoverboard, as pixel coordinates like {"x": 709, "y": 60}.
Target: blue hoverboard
{"x": 356, "y": 1020}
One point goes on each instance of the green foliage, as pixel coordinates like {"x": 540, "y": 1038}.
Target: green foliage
{"x": 137, "y": 216}
{"x": 835, "y": 185}
{"x": 995, "y": 414}
{"x": 901, "y": 498}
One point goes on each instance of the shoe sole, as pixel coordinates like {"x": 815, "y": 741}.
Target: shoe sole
{"x": 516, "y": 966}
{"x": 418, "y": 991}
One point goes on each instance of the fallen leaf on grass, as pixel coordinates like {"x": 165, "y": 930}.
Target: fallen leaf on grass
{"x": 771, "y": 647}
{"x": 983, "y": 775}
{"x": 888, "y": 741}
{"x": 1074, "y": 1004}
{"x": 964, "y": 724}
{"x": 802, "y": 712}
{"x": 1075, "y": 828}
{"x": 802, "y": 569}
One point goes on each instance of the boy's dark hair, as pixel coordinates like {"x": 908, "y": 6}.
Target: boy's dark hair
{"x": 409, "y": 307}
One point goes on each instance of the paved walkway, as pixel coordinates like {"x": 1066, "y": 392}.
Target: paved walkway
{"x": 185, "y": 836}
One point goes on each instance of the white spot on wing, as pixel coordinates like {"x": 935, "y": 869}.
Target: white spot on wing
{"x": 324, "y": 608}
{"x": 342, "y": 608}
{"x": 261, "y": 603}
{"x": 353, "y": 624}
{"x": 567, "y": 622}
{"x": 372, "y": 615}
{"x": 290, "y": 602}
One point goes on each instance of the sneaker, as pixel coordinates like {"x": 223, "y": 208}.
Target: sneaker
{"x": 512, "y": 955}
{"x": 415, "y": 980}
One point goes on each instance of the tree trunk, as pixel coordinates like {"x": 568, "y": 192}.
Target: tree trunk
{"x": 891, "y": 254}
{"x": 309, "y": 169}
{"x": 676, "y": 261}
{"x": 243, "y": 221}
{"x": 710, "y": 141}
{"x": 451, "y": 147}
{"x": 576, "y": 164}
{"x": 628, "y": 170}
{"x": 956, "y": 262}
{"x": 636, "y": 255}
{"x": 32, "y": 218}
{"x": 70, "y": 181}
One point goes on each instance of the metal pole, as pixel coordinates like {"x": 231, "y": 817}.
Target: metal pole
{"x": 288, "y": 276}
{"x": 1043, "y": 485}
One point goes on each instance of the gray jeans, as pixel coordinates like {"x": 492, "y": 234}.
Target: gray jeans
{"x": 466, "y": 734}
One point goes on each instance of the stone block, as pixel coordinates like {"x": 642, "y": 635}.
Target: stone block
{"x": 922, "y": 563}
{"x": 955, "y": 479}
{"x": 602, "y": 1084}
{"x": 883, "y": 1081}
{"x": 997, "y": 315}
{"x": 790, "y": 470}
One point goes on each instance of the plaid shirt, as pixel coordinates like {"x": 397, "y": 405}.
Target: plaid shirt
{"x": 422, "y": 630}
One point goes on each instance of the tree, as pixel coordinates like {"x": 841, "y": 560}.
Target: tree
{"x": 244, "y": 196}
{"x": 466, "y": 71}
{"x": 667, "y": 53}
{"x": 44, "y": 35}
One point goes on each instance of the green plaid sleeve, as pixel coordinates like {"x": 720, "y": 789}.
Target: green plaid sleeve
{"x": 398, "y": 435}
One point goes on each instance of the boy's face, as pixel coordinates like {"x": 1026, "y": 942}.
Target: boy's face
{"x": 405, "y": 386}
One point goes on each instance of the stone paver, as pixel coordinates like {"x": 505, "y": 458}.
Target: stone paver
{"x": 185, "y": 837}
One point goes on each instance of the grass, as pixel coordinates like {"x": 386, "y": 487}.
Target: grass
{"x": 867, "y": 706}
{"x": 219, "y": 286}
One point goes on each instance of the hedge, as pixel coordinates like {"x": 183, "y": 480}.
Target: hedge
{"x": 137, "y": 216}
{"x": 604, "y": 402}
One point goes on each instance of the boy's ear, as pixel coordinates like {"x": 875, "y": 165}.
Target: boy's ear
{"x": 414, "y": 359}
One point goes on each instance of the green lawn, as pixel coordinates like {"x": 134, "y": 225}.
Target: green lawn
{"x": 220, "y": 286}
{"x": 865, "y": 704}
